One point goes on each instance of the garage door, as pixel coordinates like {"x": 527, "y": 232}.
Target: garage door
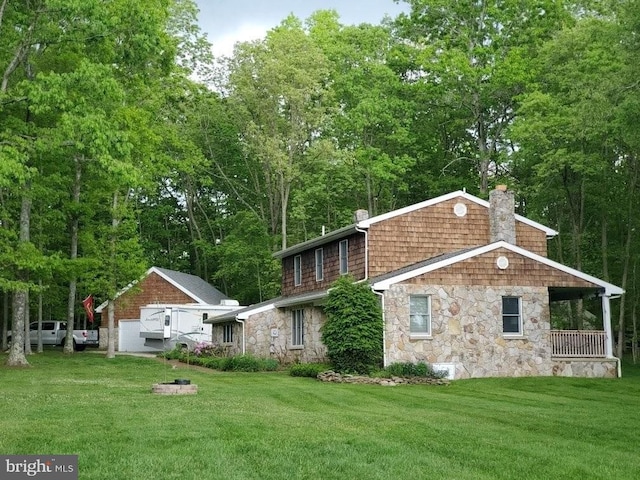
{"x": 129, "y": 337}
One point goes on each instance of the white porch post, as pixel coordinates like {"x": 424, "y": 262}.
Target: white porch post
{"x": 606, "y": 322}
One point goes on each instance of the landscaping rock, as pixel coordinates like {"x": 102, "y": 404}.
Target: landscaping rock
{"x": 331, "y": 376}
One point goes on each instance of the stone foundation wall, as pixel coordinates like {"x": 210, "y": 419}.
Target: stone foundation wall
{"x": 261, "y": 343}
{"x": 590, "y": 368}
{"x": 103, "y": 338}
{"x": 466, "y": 330}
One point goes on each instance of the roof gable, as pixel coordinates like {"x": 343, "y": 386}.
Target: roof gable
{"x": 193, "y": 286}
{"x": 365, "y": 224}
{"x": 384, "y": 282}
{"x": 443, "y": 198}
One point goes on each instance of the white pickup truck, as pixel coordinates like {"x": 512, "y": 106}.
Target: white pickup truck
{"x": 54, "y": 333}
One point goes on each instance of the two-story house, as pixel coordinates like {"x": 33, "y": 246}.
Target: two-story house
{"x": 464, "y": 285}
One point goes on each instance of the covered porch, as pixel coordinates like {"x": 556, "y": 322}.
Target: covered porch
{"x": 588, "y": 343}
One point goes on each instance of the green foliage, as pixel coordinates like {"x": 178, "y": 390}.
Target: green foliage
{"x": 353, "y": 330}
{"x": 246, "y": 266}
{"x": 408, "y": 369}
{"x": 249, "y": 363}
{"x": 307, "y": 369}
{"x": 216, "y": 359}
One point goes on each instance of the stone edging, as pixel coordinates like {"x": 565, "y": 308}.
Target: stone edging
{"x": 331, "y": 376}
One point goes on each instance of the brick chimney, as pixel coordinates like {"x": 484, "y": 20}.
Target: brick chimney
{"x": 502, "y": 219}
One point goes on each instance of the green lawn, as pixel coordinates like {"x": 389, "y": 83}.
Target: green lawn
{"x": 273, "y": 426}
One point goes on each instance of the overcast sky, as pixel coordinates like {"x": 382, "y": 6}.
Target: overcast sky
{"x": 229, "y": 21}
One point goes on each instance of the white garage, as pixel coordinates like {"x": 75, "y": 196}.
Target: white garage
{"x": 129, "y": 337}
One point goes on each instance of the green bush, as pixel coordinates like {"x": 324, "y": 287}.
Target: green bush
{"x": 308, "y": 369}
{"x": 353, "y": 330}
{"x": 248, "y": 363}
{"x": 407, "y": 369}
{"x": 239, "y": 363}
{"x": 177, "y": 353}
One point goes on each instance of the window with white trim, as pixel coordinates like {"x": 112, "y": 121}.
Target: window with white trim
{"x": 511, "y": 316}
{"x": 297, "y": 328}
{"x": 420, "y": 315}
{"x": 344, "y": 256}
{"x": 297, "y": 270}
{"x": 227, "y": 333}
{"x": 319, "y": 264}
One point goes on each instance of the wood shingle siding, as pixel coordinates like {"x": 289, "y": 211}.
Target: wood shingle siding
{"x": 482, "y": 270}
{"x": 151, "y": 289}
{"x": 356, "y": 259}
{"x": 431, "y": 231}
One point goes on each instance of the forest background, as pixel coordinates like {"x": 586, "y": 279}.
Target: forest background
{"x": 125, "y": 144}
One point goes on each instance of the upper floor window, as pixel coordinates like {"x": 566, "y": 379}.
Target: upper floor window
{"x": 511, "y": 316}
{"x": 319, "y": 265}
{"x": 420, "y": 315}
{"x": 344, "y": 257}
{"x": 297, "y": 270}
{"x": 297, "y": 328}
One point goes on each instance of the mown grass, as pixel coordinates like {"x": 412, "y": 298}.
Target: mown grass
{"x": 274, "y": 426}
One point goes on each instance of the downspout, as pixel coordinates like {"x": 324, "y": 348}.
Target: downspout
{"x": 366, "y": 252}
{"x": 384, "y": 329}
{"x": 241, "y": 322}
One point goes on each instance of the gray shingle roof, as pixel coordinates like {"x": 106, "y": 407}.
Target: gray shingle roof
{"x": 423, "y": 263}
{"x": 194, "y": 286}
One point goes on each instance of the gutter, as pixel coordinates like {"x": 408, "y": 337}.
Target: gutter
{"x": 366, "y": 251}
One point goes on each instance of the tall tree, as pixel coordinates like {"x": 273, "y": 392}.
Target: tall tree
{"x": 278, "y": 86}
{"x": 475, "y": 55}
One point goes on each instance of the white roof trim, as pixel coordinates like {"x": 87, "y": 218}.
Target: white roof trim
{"x": 443, "y": 198}
{"x": 246, "y": 314}
{"x": 103, "y": 305}
{"x": 175, "y": 284}
{"x": 609, "y": 289}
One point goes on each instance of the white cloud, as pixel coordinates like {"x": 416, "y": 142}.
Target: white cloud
{"x": 246, "y": 32}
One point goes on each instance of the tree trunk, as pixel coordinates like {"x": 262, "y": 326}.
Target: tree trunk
{"x": 20, "y": 298}
{"x": 27, "y": 328}
{"x": 111, "y": 341}
{"x": 73, "y": 256}
{"x": 285, "y": 188}
{"x": 5, "y": 321}
{"x": 40, "y": 349}
{"x": 627, "y": 256}
{"x": 115, "y": 221}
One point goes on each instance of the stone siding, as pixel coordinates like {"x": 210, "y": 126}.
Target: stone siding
{"x": 259, "y": 342}
{"x": 466, "y": 331}
{"x": 591, "y": 368}
{"x": 103, "y": 338}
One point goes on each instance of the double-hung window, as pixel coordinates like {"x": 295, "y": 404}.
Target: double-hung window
{"x": 297, "y": 270}
{"x": 344, "y": 256}
{"x": 511, "y": 316}
{"x": 319, "y": 265}
{"x": 420, "y": 315}
{"x": 227, "y": 333}
{"x": 297, "y": 328}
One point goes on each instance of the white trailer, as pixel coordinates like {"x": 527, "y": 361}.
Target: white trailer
{"x": 164, "y": 326}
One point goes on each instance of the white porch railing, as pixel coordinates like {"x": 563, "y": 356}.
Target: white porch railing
{"x": 578, "y": 343}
